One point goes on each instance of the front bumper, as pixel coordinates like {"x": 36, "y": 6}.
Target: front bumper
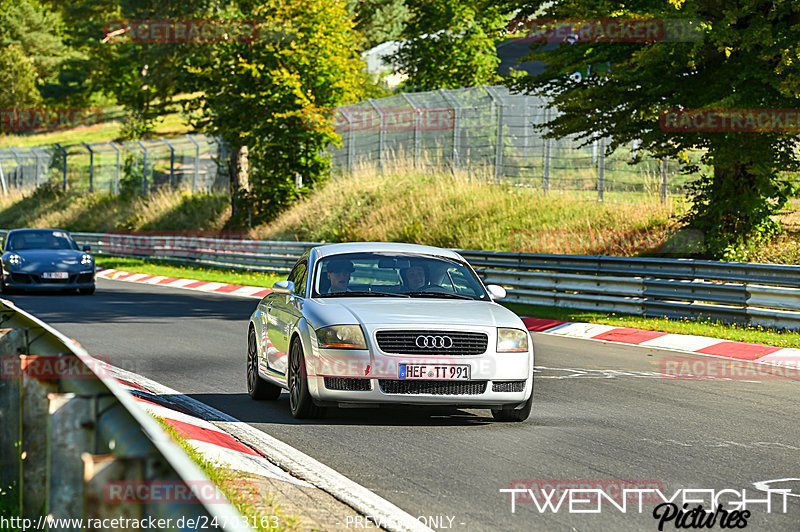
{"x": 33, "y": 281}
{"x": 372, "y": 376}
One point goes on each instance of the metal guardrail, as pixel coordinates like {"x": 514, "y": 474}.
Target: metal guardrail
{"x": 69, "y": 434}
{"x": 747, "y": 293}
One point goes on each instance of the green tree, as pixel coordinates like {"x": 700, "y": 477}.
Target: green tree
{"x": 17, "y": 79}
{"x": 451, "y": 44}
{"x": 745, "y": 56}
{"x": 378, "y": 20}
{"x": 276, "y": 95}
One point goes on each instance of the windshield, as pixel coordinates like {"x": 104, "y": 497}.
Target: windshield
{"x": 39, "y": 240}
{"x": 394, "y": 274}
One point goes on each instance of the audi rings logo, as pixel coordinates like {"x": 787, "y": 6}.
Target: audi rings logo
{"x": 434, "y": 342}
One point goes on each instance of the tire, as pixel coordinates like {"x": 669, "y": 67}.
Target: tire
{"x": 86, "y": 291}
{"x": 257, "y": 388}
{"x": 300, "y": 403}
{"x": 512, "y": 414}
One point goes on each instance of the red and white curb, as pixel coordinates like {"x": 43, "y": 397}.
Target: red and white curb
{"x": 243, "y": 447}
{"x": 213, "y": 443}
{"x": 188, "y": 284}
{"x": 699, "y": 345}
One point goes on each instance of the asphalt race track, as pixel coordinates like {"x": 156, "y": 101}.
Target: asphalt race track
{"x": 602, "y": 413}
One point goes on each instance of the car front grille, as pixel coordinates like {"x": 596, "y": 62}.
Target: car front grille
{"x": 348, "y": 384}
{"x": 454, "y": 343}
{"x": 427, "y": 387}
{"x": 86, "y": 278}
{"x": 508, "y": 386}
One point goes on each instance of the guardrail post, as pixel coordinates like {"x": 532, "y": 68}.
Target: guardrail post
{"x": 71, "y": 433}
{"x": 64, "y": 171}
{"x": 91, "y": 166}
{"x": 171, "y": 161}
{"x": 381, "y": 134}
{"x": 35, "y": 444}
{"x": 664, "y": 180}
{"x": 601, "y": 170}
{"x": 350, "y": 139}
{"x": 196, "y": 162}
{"x": 11, "y": 342}
{"x": 144, "y": 167}
{"x": 116, "y": 168}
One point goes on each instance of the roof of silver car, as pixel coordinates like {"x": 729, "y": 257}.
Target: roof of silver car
{"x": 390, "y": 247}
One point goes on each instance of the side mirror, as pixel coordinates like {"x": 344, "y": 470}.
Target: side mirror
{"x": 87, "y": 247}
{"x": 285, "y": 288}
{"x": 496, "y": 291}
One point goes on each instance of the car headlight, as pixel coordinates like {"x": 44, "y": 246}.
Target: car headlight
{"x": 14, "y": 259}
{"x": 341, "y": 337}
{"x": 511, "y": 340}
{"x": 86, "y": 259}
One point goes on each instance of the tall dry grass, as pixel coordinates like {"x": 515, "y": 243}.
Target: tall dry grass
{"x": 471, "y": 211}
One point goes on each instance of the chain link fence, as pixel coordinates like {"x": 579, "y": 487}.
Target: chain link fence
{"x": 484, "y": 131}
{"x": 488, "y": 130}
{"x": 191, "y": 162}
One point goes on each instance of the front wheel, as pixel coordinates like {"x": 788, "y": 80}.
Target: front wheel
{"x": 257, "y": 388}
{"x": 300, "y": 402}
{"x": 511, "y": 414}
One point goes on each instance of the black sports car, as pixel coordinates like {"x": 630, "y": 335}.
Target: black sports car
{"x": 45, "y": 259}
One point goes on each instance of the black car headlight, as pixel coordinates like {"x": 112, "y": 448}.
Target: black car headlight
{"x": 341, "y": 337}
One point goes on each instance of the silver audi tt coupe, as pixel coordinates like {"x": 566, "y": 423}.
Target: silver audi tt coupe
{"x": 367, "y": 324}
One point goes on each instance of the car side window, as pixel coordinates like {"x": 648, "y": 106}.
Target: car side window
{"x": 298, "y": 277}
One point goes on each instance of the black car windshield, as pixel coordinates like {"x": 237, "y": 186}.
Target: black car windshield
{"x": 404, "y": 274}
{"x": 23, "y": 240}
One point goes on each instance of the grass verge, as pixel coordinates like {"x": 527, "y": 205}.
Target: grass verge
{"x": 708, "y": 327}
{"x": 175, "y": 269}
{"x": 238, "y": 490}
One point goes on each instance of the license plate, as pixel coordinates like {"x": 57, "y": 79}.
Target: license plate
{"x": 55, "y": 275}
{"x": 456, "y": 372}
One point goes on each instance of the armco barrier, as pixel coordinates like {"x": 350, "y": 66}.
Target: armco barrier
{"x": 757, "y": 294}
{"x": 68, "y": 432}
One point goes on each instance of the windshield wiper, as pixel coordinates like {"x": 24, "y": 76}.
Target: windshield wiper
{"x": 447, "y": 295}
{"x": 363, "y": 293}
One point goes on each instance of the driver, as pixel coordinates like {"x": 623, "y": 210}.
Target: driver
{"x": 339, "y": 275}
{"x": 414, "y": 277}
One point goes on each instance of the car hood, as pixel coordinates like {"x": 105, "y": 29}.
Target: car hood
{"x": 34, "y": 260}
{"x": 417, "y": 311}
